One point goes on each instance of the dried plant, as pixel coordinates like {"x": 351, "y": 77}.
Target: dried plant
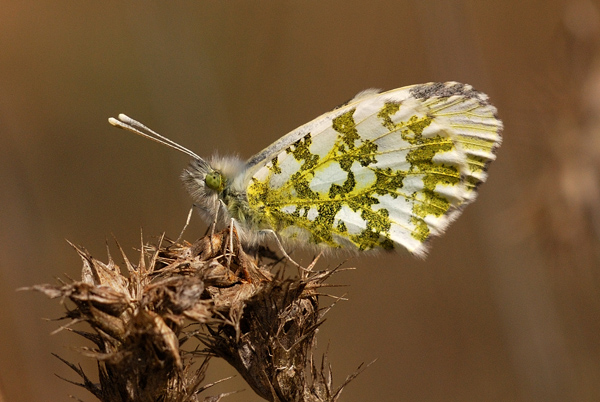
{"x": 261, "y": 323}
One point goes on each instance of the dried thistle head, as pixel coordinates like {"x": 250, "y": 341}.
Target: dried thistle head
{"x": 263, "y": 324}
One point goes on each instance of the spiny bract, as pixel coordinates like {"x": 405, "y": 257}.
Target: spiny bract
{"x": 384, "y": 171}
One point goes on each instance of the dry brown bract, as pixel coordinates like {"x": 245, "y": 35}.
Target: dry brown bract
{"x": 263, "y": 324}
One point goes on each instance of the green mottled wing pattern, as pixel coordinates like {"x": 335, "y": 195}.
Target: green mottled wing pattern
{"x": 387, "y": 170}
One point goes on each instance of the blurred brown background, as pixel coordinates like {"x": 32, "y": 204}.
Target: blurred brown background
{"x": 507, "y": 305}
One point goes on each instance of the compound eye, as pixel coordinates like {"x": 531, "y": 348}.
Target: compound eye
{"x": 215, "y": 181}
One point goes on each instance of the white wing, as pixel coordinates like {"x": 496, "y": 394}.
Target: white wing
{"x": 384, "y": 170}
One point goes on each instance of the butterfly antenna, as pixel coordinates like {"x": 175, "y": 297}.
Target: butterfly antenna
{"x": 127, "y": 123}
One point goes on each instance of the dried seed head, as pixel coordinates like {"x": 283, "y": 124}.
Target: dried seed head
{"x": 262, "y": 324}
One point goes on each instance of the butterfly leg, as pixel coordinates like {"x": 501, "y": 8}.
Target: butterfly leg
{"x": 187, "y": 222}
{"x": 213, "y": 225}
{"x": 280, "y": 246}
{"x": 212, "y": 231}
{"x": 230, "y": 243}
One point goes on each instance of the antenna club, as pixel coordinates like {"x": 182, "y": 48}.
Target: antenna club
{"x": 127, "y": 123}
{"x": 125, "y": 119}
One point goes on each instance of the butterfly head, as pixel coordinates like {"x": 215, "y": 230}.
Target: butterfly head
{"x": 205, "y": 178}
{"x": 210, "y": 184}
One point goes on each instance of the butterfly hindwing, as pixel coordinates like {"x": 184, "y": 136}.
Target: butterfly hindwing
{"x": 384, "y": 171}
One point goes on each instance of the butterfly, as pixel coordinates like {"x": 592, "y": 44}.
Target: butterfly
{"x": 386, "y": 170}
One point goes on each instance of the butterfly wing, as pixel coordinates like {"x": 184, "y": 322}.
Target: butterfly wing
{"x": 387, "y": 170}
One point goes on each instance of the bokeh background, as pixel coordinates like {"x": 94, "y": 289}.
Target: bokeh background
{"x": 507, "y": 305}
